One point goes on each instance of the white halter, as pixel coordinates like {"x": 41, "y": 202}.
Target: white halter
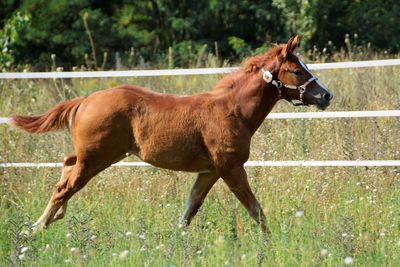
{"x": 268, "y": 78}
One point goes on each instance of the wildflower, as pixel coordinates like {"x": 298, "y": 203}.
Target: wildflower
{"x": 199, "y": 252}
{"x": 67, "y": 260}
{"x": 243, "y": 256}
{"x": 143, "y": 248}
{"x": 324, "y": 252}
{"x": 348, "y": 260}
{"x": 142, "y": 236}
{"x": 123, "y": 255}
{"x": 114, "y": 254}
{"x": 299, "y": 214}
{"x": 73, "y": 249}
{"x": 68, "y": 235}
{"x": 129, "y": 233}
{"x": 21, "y": 256}
{"x": 24, "y": 249}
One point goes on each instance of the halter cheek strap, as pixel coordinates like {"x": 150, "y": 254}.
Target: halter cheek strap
{"x": 268, "y": 78}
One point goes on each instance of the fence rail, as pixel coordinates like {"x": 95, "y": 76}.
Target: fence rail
{"x": 316, "y": 115}
{"x": 176, "y": 72}
{"x": 205, "y": 71}
{"x": 299, "y": 163}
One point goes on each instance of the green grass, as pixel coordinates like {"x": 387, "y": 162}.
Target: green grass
{"x": 347, "y": 211}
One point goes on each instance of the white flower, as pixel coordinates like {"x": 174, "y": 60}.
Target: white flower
{"x": 24, "y": 249}
{"x": 73, "y": 249}
{"x": 299, "y": 214}
{"x": 142, "y": 236}
{"x": 68, "y": 235}
{"x": 324, "y": 252}
{"x": 348, "y": 260}
{"x": 21, "y": 256}
{"x": 128, "y": 233}
{"x": 123, "y": 255}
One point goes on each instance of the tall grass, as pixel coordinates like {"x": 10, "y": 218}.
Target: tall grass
{"x": 129, "y": 216}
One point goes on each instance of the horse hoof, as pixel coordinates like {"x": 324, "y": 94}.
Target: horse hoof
{"x": 25, "y": 233}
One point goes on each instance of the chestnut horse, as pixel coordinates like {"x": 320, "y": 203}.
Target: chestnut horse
{"x": 207, "y": 133}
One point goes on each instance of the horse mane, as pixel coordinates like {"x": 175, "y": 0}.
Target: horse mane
{"x": 250, "y": 65}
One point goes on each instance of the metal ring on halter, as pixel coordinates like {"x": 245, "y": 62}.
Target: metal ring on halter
{"x": 302, "y": 90}
{"x": 278, "y": 84}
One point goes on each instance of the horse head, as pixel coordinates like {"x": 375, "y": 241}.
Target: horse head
{"x": 293, "y": 79}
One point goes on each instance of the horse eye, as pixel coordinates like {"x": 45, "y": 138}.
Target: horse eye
{"x": 297, "y": 72}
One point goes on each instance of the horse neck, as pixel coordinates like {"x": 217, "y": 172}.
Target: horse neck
{"x": 255, "y": 99}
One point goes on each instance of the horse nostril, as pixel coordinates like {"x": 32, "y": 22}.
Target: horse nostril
{"x": 327, "y": 96}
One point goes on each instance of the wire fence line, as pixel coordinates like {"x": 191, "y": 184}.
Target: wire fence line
{"x": 181, "y": 72}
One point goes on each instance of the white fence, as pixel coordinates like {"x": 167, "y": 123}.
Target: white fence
{"x": 316, "y": 115}
{"x": 204, "y": 71}
{"x": 180, "y": 72}
{"x": 290, "y": 163}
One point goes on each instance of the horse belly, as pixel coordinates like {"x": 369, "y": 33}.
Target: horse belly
{"x": 184, "y": 154}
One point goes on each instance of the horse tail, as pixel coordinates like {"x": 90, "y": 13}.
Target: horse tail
{"x": 59, "y": 116}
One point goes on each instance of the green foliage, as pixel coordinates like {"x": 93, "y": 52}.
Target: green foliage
{"x": 239, "y": 46}
{"x": 10, "y": 36}
{"x": 319, "y": 21}
{"x": 102, "y": 34}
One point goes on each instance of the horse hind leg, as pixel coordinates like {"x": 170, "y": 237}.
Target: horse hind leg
{"x": 200, "y": 189}
{"x": 68, "y": 164}
{"x": 78, "y": 173}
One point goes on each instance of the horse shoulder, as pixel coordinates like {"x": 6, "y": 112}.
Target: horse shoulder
{"x": 227, "y": 139}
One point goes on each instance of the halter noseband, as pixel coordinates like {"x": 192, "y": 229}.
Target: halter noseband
{"x": 268, "y": 78}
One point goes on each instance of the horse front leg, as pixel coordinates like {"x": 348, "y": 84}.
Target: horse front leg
{"x": 200, "y": 189}
{"x": 236, "y": 179}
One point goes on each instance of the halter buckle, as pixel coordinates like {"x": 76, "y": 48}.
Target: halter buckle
{"x": 267, "y": 76}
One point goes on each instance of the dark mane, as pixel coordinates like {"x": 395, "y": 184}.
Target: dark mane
{"x": 250, "y": 65}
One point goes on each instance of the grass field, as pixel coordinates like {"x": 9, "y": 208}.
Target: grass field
{"x": 129, "y": 216}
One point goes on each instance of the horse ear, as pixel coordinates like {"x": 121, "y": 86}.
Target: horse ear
{"x": 291, "y": 45}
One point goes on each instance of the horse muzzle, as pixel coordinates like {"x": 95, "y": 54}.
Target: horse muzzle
{"x": 323, "y": 102}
